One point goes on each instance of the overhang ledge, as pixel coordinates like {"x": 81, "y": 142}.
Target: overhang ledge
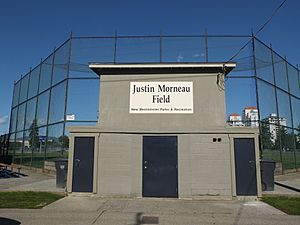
{"x": 162, "y": 68}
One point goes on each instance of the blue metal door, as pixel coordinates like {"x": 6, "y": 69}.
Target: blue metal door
{"x": 83, "y": 164}
{"x": 160, "y": 175}
{"x": 245, "y": 166}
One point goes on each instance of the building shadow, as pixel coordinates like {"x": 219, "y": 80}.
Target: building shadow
{"x": 7, "y": 221}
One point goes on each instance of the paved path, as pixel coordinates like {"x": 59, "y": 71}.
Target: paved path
{"x": 33, "y": 182}
{"x": 93, "y": 210}
{"x": 291, "y": 180}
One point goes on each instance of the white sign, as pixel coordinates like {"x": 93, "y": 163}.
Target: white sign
{"x": 70, "y": 117}
{"x": 161, "y": 97}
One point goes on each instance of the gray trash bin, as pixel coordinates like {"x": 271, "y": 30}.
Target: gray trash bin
{"x": 61, "y": 166}
{"x": 267, "y": 168}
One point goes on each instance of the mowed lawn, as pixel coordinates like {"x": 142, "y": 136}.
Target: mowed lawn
{"x": 27, "y": 199}
{"x": 289, "y": 205}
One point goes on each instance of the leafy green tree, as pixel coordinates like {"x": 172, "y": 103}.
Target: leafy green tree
{"x": 34, "y": 135}
{"x": 287, "y": 139}
{"x": 64, "y": 140}
{"x": 297, "y": 139}
{"x": 266, "y": 136}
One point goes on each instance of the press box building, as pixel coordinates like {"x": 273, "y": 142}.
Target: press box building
{"x": 162, "y": 134}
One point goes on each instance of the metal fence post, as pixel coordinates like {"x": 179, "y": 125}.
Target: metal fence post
{"x": 66, "y": 94}
{"x": 115, "y": 48}
{"x": 160, "y": 46}
{"x": 206, "y": 45}
{"x": 256, "y": 94}
{"x": 291, "y": 110}
{"x": 49, "y": 101}
{"x": 277, "y": 108}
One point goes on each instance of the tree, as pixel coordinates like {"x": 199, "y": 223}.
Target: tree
{"x": 266, "y": 136}
{"x": 297, "y": 138}
{"x": 287, "y": 139}
{"x": 64, "y": 140}
{"x": 34, "y": 135}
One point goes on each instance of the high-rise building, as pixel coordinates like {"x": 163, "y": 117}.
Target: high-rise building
{"x": 274, "y": 122}
{"x": 250, "y": 116}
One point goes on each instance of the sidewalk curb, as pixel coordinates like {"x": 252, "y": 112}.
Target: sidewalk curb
{"x": 287, "y": 186}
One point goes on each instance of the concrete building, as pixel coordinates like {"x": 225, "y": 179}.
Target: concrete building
{"x": 154, "y": 138}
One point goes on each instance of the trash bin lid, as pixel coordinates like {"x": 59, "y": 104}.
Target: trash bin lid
{"x": 267, "y": 161}
{"x": 61, "y": 160}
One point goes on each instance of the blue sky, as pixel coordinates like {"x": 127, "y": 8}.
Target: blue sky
{"x": 30, "y": 29}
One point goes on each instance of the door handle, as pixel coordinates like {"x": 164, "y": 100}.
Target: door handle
{"x": 252, "y": 164}
{"x": 77, "y": 161}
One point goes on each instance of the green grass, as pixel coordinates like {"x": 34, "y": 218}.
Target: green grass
{"x": 27, "y": 199}
{"x": 289, "y": 205}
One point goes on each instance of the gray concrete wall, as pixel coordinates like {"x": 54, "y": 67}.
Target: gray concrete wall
{"x": 119, "y": 165}
{"x": 205, "y": 168}
{"x": 209, "y": 105}
{"x": 203, "y": 165}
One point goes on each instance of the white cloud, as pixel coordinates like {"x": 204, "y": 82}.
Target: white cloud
{"x": 179, "y": 57}
{"x": 3, "y": 120}
{"x": 197, "y": 55}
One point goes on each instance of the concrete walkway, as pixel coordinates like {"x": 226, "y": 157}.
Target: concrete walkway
{"x": 116, "y": 211}
{"x": 291, "y": 180}
{"x": 33, "y": 182}
{"x": 92, "y": 210}
{"x": 282, "y": 182}
{"x": 45, "y": 182}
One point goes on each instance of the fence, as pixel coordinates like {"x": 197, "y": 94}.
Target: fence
{"x": 263, "y": 90}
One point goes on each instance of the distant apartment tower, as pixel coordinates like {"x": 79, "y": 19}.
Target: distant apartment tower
{"x": 250, "y": 116}
{"x": 274, "y": 122}
{"x": 235, "y": 120}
